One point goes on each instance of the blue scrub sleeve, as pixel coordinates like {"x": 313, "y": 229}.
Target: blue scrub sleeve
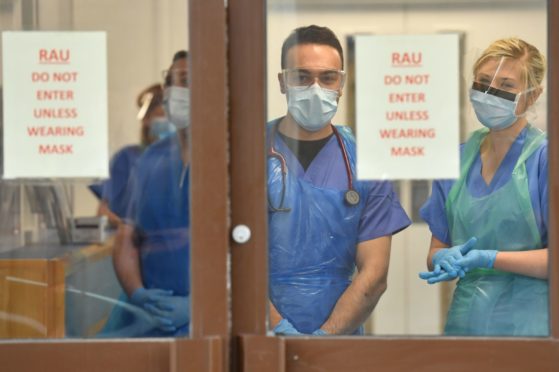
{"x": 434, "y": 212}
{"x": 383, "y": 215}
{"x": 97, "y": 189}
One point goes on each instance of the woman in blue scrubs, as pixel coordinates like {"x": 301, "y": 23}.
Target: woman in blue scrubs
{"x": 155, "y": 126}
{"x": 490, "y": 227}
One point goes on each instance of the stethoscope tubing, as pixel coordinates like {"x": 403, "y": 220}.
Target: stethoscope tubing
{"x": 272, "y": 152}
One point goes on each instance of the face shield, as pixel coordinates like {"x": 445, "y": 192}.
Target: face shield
{"x": 146, "y": 102}
{"x": 499, "y": 93}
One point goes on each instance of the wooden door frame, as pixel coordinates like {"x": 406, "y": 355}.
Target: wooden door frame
{"x": 259, "y": 352}
{"x": 207, "y": 348}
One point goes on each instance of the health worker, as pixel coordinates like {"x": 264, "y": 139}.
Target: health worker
{"x": 324, "y": 224}
{"x": 155, "y": 126}
{"x": 490, "y": 226}
{"x": 152, "y": 250}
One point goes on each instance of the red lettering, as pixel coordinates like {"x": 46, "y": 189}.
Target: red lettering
{"x": 54, "y": 56}
{"x": 407, "y": 115}
{"x": 406, "y": 59}
{"x": 407, "y": 151}
{"x": 406, "y": 97}
{"x": 417, "y": 79}
{"x": 56, "y": 149}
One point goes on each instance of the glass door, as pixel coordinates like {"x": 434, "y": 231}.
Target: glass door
{"x": 394, "y": 315}
{"x": 139, "y": 53}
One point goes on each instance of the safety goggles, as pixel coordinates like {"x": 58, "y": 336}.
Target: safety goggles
{"x": 176, "y": 77}
{"x": 494, "y": 91}
{"x": 300, "y": 77}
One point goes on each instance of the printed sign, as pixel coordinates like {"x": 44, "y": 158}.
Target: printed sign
{"x": 55, "y": 104}
{"x": 407, "y": 106}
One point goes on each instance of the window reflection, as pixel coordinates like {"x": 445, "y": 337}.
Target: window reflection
{"x": 58, "y": 236}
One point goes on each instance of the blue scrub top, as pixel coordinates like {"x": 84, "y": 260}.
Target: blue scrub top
{"x": 433, "y": 211}
{"x": 159, "y": 212}
{"x": 382, "y": 215}
{"x": 114, "y": 189}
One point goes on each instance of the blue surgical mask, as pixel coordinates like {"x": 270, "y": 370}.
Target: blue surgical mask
{"x": 312, "y": 107}
{"x": 161, "y": 127}
{"x": 177, "y": 106}
{"x": 494, "y": 112}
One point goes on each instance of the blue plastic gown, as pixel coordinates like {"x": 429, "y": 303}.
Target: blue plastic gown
{"x": 159, "y": 212}
{"x": 312, "y": 247}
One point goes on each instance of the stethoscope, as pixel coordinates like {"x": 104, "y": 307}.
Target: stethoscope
{"x": 351, "y": 196}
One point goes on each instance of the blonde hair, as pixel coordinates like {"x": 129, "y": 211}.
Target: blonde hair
{"x": 533, "y": 62}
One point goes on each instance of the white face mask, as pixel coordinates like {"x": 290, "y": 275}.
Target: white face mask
{"x": 177, "y": 106}
{"x": 312, "y": 107}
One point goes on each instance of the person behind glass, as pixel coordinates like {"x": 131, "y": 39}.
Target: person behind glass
{"x": 152, "y": 256}
{"x": 490, "y": 227}
{"x": 323, "y": 222}
{"x": 155, "y": 126}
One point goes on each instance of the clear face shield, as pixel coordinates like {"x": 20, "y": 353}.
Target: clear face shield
{"x": 499, "y": 93}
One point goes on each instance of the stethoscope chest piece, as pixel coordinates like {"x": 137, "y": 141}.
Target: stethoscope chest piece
{"x": 351, "y": 197}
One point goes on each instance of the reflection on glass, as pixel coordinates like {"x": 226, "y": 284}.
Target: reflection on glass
{"x": 410, "y": 305}
{"x": 58, "y": 236}
{"x": 152, "y": 247}
{"x": 325, "y": 225}
{"x": 490, "y": 226}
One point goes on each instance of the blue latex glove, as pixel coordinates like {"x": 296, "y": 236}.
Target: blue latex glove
{"x": 171, "y": 311}
{"x": 141, "y": 296}
{"x": 442, "y": 276}
{"x": 284, "y": 327}
{"x": 477, "y": 258}
{"x": 446, "y": 263}
{"x": 320, "y": 332}
{"x": 446, "y": 258}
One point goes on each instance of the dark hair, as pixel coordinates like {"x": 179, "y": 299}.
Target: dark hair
{"x": 312, "y": 34}
{"x": 181, "y": 54}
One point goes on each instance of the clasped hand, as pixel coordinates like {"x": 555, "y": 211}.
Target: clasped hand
{"x": 168, "y": 312}
{"x": 450, "y": 263}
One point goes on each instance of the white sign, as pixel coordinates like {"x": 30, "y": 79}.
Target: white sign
{"x": 407, "y": 106}
{"x": 55, "y": 104}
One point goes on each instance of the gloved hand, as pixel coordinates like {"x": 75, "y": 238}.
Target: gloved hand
{"x": 141, "y": 296}
{"x": 477, "y": 258}
{"x": 320, "y": 332}
{"x": 446, "y": 258}
{"x": 442, "y": 276}
{"x": 170, "y": 311}
{"x": 446, "y": 263}
{"x": 284, "y": 327}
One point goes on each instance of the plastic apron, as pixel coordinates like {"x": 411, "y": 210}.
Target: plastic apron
{"x": 490, "y": 302}
{"x": 312, "y": 246}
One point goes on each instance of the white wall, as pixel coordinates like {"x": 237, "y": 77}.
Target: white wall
{"x": 409, "y": 306}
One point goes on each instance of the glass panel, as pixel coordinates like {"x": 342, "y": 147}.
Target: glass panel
{"x": 95, "y": 185}
{"x": 402, "y": 79}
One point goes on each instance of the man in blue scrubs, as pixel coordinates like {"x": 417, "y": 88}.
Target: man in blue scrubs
{"x": 324, "y": 223}
{"x": 151, "y": 256}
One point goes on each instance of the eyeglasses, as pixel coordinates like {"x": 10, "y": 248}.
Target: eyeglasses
{"x": 175, "y": 76}
{"x": 494, "y": 91}
{"x": 300, "y": 77}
